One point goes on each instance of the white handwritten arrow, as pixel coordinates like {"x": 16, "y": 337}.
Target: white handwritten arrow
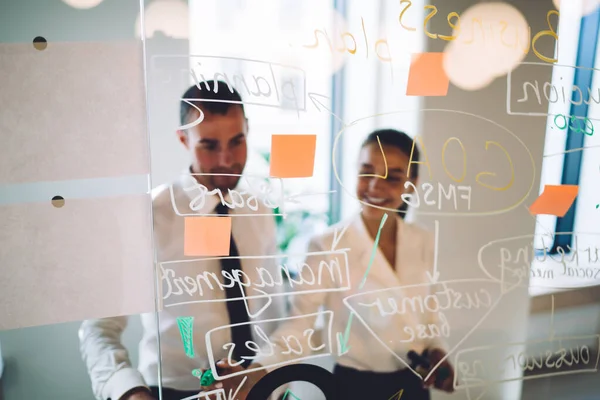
{"x": 433, "y": 278}
{"x": 292, "y": 198}
{"x": 234, "y": 395}
{"x": 337, "y": 235}
{"x": 263, "y": 308}
{"x": 314, "y": 97}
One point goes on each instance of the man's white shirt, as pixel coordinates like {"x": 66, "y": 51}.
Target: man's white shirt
{"x": 187, "y": 289}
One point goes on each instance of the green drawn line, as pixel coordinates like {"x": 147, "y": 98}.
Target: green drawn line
{"x": 344, "y": 342}
{"x": 289, "y": 392}
{"x": 373, "y": 252}
{"x": 186, "y": 329}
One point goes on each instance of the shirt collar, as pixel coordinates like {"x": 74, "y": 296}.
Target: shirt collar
{"x": 381, "y": 266}
{"x": 360, "y": 226}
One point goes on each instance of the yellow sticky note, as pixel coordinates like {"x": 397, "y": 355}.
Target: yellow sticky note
{"x": 426, "y": 76}
{"x": 293, "y": 156}
{"x": 555, "y": 200}
{"x": 207, "y": 236}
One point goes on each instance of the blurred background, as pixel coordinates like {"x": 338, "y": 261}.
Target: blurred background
{"x": 489, "y": 80}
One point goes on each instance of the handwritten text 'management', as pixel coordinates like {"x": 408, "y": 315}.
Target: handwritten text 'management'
{"x": 325, "y": 270}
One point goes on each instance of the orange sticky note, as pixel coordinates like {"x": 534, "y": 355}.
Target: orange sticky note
{"x": 555, "y": 200}
{"x": 293, "y": 156}
{"x": 207, "y": 236}
{"x": 426, "y": 76}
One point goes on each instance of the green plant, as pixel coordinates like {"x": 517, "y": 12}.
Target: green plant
{"x": 294, "y": 224}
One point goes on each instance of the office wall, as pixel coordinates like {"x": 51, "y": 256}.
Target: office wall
{"x": 44, "y": 361}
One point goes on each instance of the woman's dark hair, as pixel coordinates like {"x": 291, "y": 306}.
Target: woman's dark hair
{"x": 401, "y": 141}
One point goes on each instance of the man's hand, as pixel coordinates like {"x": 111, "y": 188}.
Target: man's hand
{"x": 443, "y": 377}
{"x": 140, "y": 393}
{"x": 237, "y": 387}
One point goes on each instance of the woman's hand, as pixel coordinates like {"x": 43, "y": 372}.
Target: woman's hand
{"x": 443, "y": 376}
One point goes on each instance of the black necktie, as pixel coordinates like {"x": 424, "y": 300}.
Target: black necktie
{"x": 236, "y": 308}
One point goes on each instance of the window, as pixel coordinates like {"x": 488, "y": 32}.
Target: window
{"x": 315, "y": 37}
{"x": 264, "y": 41}
{"x": 374, "y": 85}
{"x": 564, "y": 160}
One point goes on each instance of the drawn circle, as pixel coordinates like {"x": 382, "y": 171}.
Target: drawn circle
{"x": 462, "y": 214}
{"x": 578, "y": 129}
{"x": 564, "y": 119}
{"x": 482, "y": 249}
{"x": 318, "y": 376}
{"x": 40, "y": 43}
{"x": 58, "y": 201}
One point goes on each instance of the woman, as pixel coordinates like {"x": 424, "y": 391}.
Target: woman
{"x": 379, "y": 340}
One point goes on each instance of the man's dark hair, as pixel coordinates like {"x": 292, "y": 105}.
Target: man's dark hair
{"x": 401, "y": 141}
{"x": 226, "y": 95}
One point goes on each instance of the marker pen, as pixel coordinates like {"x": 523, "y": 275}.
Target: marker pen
{"x": 206, "y": 378}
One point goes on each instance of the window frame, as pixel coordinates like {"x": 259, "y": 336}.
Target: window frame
{"x": 334, "y": 213}
{"x": 572, "y": 160}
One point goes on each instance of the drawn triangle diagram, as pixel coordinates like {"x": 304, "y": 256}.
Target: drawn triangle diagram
{"x": 404, "y": 318}
{"x": 289, "y": 395}
{"x": 476, "y": 393}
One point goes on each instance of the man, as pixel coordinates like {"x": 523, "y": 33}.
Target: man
{"x": 216, "y": 145}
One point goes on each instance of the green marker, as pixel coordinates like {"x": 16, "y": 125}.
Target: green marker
{"x": 206, "y": 377}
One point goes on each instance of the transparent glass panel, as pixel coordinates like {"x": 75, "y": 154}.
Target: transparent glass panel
{"x": 76, "y": 240}
{"x": 157, "y": 226}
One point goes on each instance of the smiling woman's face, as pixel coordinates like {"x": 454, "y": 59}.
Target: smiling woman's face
{"x": 378, "y": 191}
